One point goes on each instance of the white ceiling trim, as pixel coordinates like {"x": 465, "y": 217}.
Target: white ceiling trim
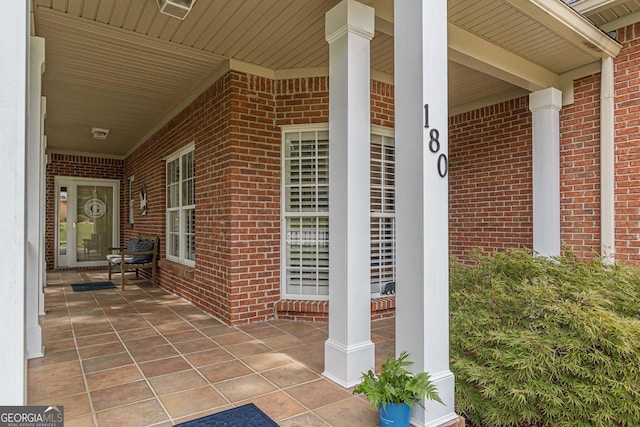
{"x": 476, "y": 53}
{"x": 569, "y": 24}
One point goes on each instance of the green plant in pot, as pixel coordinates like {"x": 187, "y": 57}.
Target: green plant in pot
{"x": 395, "y": 390}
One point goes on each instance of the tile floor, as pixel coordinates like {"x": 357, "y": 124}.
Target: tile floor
{"x": 144, "y": 357}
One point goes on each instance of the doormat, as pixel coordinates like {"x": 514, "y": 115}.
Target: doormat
{"x": 93, "y": 286}
{"x": 245, "y": 415}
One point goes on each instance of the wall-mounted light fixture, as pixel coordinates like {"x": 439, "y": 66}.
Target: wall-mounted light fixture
{"x": 176, "y": 8}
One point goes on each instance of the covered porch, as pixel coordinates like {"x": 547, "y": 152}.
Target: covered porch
{"x": 436, "y": 64}
{"x": 146, "y": 357}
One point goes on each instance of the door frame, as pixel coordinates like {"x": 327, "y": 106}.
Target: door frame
{"x": 69, "y": 181}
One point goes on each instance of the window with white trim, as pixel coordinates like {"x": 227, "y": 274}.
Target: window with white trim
{"x": 383, "y": 217}
{"x": 181, "y": 206}
{"x": 305, "y": 207}
{"x": 306, "y": 213}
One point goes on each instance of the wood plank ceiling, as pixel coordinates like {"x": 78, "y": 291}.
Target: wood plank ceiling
{"x": 123, "y": 66}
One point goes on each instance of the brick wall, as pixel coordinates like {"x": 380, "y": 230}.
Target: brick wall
{"x": 75, "y": 166}
{"x": 580, "y": 169}
{"x": 302, "y": 101}
{"x": 627, "y": 140}
{"x": 490, "y": 178}
{"x": 237, "y": 158}
{"x": 580, "y": 159}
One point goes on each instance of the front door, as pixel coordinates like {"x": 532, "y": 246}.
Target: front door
{"x": 87, "y": 221}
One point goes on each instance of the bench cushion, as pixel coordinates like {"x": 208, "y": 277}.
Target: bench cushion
{"x": 115, "y": 259}
{"x": 141, "y": 246}
{"x": 132, "y": 244}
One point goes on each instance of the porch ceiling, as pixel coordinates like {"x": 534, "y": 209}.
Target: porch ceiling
{"x": 122, "y": 65}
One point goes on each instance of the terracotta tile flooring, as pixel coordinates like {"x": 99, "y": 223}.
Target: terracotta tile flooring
{"x": 144, "y": 357}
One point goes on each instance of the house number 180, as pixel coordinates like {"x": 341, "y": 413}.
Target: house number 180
{"x": 434, "y": 145}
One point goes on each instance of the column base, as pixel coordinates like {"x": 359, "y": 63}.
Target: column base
{"x": 436, "y": 414}
{"x": 34, "y": 342}
{"x": 344, "y": 365}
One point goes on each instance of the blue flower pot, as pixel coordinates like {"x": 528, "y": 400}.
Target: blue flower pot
{"x": 394, "y": 414}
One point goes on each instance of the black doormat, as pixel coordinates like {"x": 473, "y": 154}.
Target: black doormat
{"x": 245, "y": 415}
{"x": 92, "y": 286}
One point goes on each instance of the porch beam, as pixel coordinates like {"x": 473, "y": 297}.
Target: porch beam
{"x": 479, "y": 54}
{"x": 349, "y": 28}
{"x": 422, "y": 293}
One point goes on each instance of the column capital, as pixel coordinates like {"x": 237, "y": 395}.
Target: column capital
{"x": 545, "y": 98}
{"x": 37, "y": 53}
{"x": 349, "y": 16}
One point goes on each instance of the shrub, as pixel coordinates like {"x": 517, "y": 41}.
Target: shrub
{"x": 538, "y": 341}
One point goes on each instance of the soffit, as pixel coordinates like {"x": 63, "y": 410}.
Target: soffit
{"x": 122, "y": 65}
{"x": 606, "y": 13}
{"x": 510, "y": 28}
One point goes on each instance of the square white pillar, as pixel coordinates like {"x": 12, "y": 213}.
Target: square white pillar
{"x": 35, "y": 189}
{"x": 349, "y": 27}
{"x": 545, "y": 108}
{"x": 14, "y": 45}
{"x": 422, "y": 286}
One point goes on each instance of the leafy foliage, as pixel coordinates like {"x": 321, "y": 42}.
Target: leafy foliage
{"x": 538, "y": 341}
{"x": 396, "y": 384}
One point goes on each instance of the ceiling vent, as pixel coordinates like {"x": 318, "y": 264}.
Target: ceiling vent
{"x": 99, "y": 133}
{"x": 176, "y": 8}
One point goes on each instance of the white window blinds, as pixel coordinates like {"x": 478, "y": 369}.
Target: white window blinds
{"x": 306, "y": 212}
{"x": 383, "y": 222}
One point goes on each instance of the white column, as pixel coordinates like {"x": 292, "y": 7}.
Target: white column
{"x": 545, "y": 107}
{"x": 422, "y": 289}
{"x": 43, "y": 200}
{"x": 607, "y": 162}
{"x": 349, "y": 27}
{"x": 13, "y": 103}
{"x": 34, "y": 165}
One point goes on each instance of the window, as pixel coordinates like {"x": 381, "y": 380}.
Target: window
{"x": 181, "y": 206}
{"x": 305, "y": 207}
{"x": 383, "y": 221}
{"x": 306, "y": 213}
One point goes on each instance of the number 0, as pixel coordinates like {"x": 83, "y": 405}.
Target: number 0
{"x": 443, "y": 165}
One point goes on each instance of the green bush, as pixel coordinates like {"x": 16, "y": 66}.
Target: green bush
{"x": 537, "y": 341}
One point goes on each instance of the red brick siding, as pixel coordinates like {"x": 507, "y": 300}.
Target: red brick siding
{"x": 237, "y": 158}
{"x": 580, "y": 169}
{"x": 302, "y": 101}
{"x": 81, "y": 167}
{"x": 490, "y": 178}
{"x": 382, "y": 104}
{"x": 627, "y": 140}
{"x": 254, "y": 177}
{"x": 318, "y": 311}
